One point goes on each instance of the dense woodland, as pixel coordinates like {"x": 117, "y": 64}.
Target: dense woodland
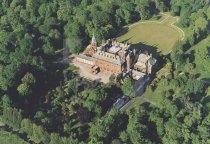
{"x": 50, "y": 103}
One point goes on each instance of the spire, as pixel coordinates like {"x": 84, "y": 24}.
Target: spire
{"x": 93, "y": 41}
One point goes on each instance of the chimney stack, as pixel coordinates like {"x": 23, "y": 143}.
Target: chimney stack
{"x": 128, "y": 59}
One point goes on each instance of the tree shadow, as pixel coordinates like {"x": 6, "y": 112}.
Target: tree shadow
{"x": 191, "y": 56}
{"x": 126, "y": 40}
{"x": 151, "y": 49}
{"x": 143, "y": 48}
{"x": 206, "y": 100}
{"x": 206, "y": 81}
{"x": 122, "y": 31}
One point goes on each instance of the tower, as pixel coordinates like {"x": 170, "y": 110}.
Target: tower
{"x": 92, "y": 47}
{"x": 93, "y": 41}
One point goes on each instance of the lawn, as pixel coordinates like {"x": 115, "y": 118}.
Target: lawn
{"x": 135, "y": 103}
{"x": 154, "y": 36}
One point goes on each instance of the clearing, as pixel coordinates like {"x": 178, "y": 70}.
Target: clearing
{"x": 84, "y": 71}
{"x": 161, "y": 34}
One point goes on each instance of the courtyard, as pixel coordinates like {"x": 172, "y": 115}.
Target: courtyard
{"x": 85, "y": 72}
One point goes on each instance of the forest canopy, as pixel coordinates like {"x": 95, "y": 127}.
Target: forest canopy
{"x": 51, "y": 104}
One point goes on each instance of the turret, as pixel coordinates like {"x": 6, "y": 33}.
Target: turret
{"x": 93, "y": 41}
{"x": 92, "y": 47}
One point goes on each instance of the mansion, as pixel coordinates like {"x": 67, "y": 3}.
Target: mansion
{"x": 117, "y": 58}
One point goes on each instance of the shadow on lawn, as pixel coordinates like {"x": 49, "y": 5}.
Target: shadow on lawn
{"x": 122, "y": 32}
{"x": 151, "y": 49}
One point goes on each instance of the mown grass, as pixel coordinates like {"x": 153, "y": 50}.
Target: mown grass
{"x": 136, "y": 103}
{"x": 159, "y": 35}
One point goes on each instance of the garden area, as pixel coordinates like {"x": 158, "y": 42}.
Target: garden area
{"x": 155, "y": 36}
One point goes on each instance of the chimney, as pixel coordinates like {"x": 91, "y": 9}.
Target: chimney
{"x": 151, "y": 55}
{"x": 128, "y": 59}
{"x": 124, "y": 55}
{"x": 134, "y": 52}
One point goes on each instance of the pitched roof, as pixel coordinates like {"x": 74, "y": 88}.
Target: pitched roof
{"x": 109, "y": 57}
{"x": 143, "y": 58}
{"x": 114, "y": 49}
{"x": 82, "y": 56}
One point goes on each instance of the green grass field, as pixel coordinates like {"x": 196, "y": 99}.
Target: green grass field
{"x": 154, "y": 36}
{"x": 135, "y": 103}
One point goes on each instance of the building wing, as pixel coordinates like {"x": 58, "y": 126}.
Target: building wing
{"x": 109, "y": 57}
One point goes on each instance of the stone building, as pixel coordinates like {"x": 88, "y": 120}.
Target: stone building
{"x": 145, "y": 63}
{"x": 117, "y": 58}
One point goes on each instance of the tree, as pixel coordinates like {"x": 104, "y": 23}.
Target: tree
{"x": 127, "y": 87}
{"x": 12, "y": 117}
{"x": 24, "y": 90}
{"x": 136, "y": 131}
{"x": 128, "y": 12}
{"x": 172, "y": 131}
{"x": 6, "y": 102}
{"x": 194, "y": 86}
{"x": 73, "y": 30}
{"x": 160, "y": 5}
{"x": 177, "y": 55}
{"x": 40, "y": 117}
{"x": 201, "y": 25}
{"x": 26, "y": 126}
{"x": 95, "y": 100}
{"x": 54, "y": 34}
{"x": 143, "y": 9}
{"x": 208, "y": 13}
{"x": 71, "y": 139}
{"x": 48, "y": 48}
{"x": 74, "y": 45}
{"x": 73, "y": 85}
{"x": 103, "y": 127}
{"x": 7, "y": 76}
{"x": 175, "y": 10}
{"x": 39, "y": 135}
{"x": 185, "y": 20}
{"x": 124, "y": 137}
{"x": 48, "y": 9}
{"x": 100, "y": 18}
{"x": 54, "y": 138}
{"x": 65, "y": 9}
{"x": 29, "y": 79}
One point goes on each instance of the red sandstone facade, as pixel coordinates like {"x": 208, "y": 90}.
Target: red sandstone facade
{"x": 108, "y": 67}
{"x": 117, "y": 58}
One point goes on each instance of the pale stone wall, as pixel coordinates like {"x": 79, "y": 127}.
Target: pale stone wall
{"x": 89, "y": 62}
